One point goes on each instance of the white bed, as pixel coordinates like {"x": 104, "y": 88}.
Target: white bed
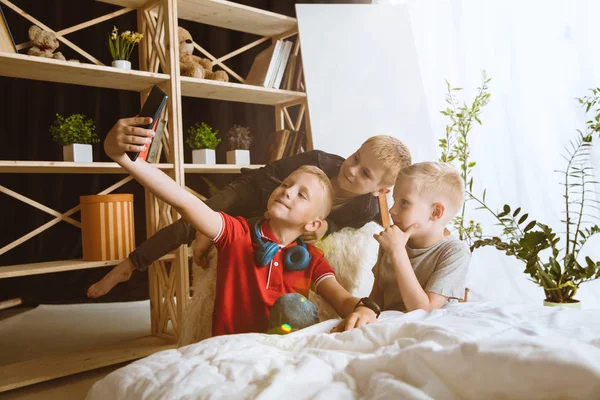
{"x": 464, "y": 351}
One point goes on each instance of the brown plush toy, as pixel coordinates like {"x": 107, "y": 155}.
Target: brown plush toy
{"x": 194, "y": 66}
{"x": 43, "y": 44}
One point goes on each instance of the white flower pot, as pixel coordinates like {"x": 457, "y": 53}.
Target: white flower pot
{"x": 576, "y": 304}
{"x": 78, "y": 153}
{"x": 122, "y": 64}
{"x": 203, "y": 156}
{"x": 238, "y": 157}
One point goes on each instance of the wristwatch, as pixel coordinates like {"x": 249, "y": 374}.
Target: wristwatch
{"x": 367, "y": 302}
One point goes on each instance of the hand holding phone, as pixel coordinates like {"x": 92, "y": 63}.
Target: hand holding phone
{"x": 153, "y": 106}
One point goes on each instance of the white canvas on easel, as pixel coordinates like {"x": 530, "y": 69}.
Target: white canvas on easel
{"x": 362, "y": 77}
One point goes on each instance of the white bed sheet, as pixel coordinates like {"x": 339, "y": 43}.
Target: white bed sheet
{"x": 464, "y": 351}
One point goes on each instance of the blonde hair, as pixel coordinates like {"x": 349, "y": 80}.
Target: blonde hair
{"x": 437, "y": 178}
{"x": 325, "y": 184}
{"x": 391, "y": 153}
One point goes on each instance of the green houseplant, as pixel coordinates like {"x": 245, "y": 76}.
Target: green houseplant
{"x": 121, "y": 46}
{"x": 239, "y": 140}
{"x": 203, "y": 141}
{"x": 455, "y": 150}
{"x": 558, "y": 270}
{"x": 76, "y": 134}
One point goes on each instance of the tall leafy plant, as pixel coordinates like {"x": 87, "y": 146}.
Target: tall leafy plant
{"x": 455, "y": 150}
{"x": 562, "y": 272}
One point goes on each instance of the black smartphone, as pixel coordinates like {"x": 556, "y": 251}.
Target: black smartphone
{"x": 153, "y": 106}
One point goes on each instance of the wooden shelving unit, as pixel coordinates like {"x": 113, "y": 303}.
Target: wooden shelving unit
{"x": 13, "y": 271}
{"x": 225, "y": 14}
{"x": 159, "y": 64}
{"x": 228, "y": 91}
{"x": 43, "y": 369}
{"x": 216, "y": 169}
{"x": 65, "y": 167}
{"x": 45, "y": 69}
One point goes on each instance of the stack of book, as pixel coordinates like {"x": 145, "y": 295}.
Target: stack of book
{"x": 286, "y": 143}
{"x": 279, "y": 67}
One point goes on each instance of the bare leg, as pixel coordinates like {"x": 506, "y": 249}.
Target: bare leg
{"x": 120, "y": 273}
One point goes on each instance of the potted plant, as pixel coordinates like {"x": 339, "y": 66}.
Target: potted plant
{"x": 76, "y": 134}
{"x": 239, "y": 140}
{"x": 203, "y": 141}
{"x": 561, "y": 271}
{"x": 121, "y": 46}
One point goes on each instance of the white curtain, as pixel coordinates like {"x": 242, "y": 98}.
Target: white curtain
{"x": 541, "y": 55}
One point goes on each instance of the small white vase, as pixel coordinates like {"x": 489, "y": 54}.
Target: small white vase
{"x": 78, "y": 153}
{"x": 238, "y": 157}
{"x": 575, "y": 304}
{"x": 122, "y": 64}
{"x": 203, "y": 156}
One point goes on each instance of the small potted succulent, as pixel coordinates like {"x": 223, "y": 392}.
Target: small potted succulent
{"x": 76, "y": 134}
{"x": 239, "y": 140}
{"x": 203, "y": 141}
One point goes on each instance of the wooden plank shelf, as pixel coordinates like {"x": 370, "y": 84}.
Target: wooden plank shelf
{"x": 65, "y": 167}
{"x": 202, "y": 88}
{"x": 13, "y": 271}
{"x": 43, "y": 369}
{"x": 225, "y": 14}
{"x": 217, "y": 168}
{"x": 45, "y": 69}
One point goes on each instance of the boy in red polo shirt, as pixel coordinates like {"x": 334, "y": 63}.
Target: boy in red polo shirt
{"x": 254, "y": 272}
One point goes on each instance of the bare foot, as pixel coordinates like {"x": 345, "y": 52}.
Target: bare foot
{"x": 120, "y": 273}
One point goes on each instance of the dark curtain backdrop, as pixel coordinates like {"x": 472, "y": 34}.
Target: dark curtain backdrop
{"x": 28, "y": 109}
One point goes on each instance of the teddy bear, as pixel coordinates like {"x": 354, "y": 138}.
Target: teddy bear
{"x": 43, "y": 44}
{"x": 194, "y": 66}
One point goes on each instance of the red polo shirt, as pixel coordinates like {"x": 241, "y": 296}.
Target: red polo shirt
{"x": 246, "y": 292}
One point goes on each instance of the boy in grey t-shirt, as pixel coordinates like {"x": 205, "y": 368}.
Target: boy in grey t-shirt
{"x": 419, "y": 267}
{"x": 441, "y": 269}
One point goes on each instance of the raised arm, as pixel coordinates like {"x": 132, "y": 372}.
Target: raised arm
{"x": 202, "y": 217}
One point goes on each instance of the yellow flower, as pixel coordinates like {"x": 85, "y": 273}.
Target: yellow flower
{"x": 121, "y": 45}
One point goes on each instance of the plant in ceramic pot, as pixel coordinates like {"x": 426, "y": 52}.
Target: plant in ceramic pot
{"x": 121, "y": 46}
{"x": 203, "y": 141}
{"x": 560, "y": 270}
{"x": 76, "y": 134}
{"x": 239, "y": 140}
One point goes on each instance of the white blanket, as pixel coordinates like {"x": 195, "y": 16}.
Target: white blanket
{"x": 464, "y": 351}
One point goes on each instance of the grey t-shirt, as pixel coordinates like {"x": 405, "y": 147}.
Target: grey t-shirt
{"x": 441, "y": 268}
